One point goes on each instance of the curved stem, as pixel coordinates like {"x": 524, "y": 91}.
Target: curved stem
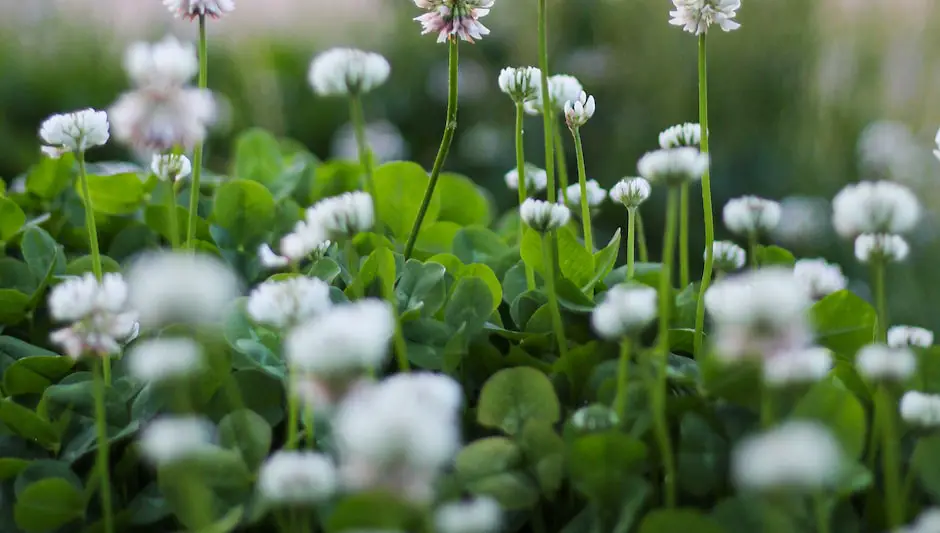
{"x": 684, "y": 236}
{"x": 641, "y": 239}
{"x": 631, "y": 237}
{"x": 552, "y": 297}
{"x": 172, "y": 223}
{"x": 101, "y": 424}
{"x": 878, "y": 282}
{"x": 93, "y": 250}
{"x": 659, "y": 391}
{"x": 623, "y": 378}
{"x": 706, "y": 197}
{"x": 523, "y": 193}
{"x": 197, "y": 151}
{"x": 365, "y": 153}
{"x": 449, "y": 128}
{"x": 890, "y": 466}
{"x": 561, "y": 160}
{"x": 582, "y": 183}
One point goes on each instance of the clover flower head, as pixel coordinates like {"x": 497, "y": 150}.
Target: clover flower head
{"x": 901, "y": 336}
{"x": 873, "y": 246}
{"x": 687, "y": 134}
{"x": 820, "y": 277}
{"x": 283, "y": 303}
{"x": 561, "y": 89}
{"x": 794, "y": 455}
{"x": 171, "y": 167}
{"x": 169, "y": 439}
{"x": 520, "y": 83}
{"x": 874, "y": 207}
{"x": 805, "y": 365}
{"x": 71, "y": 132}
{"x": 728, "y": 256}
{"x": 595, "y": 194}
{"x": 579, "y": 110}
{"x": 674, "y": 166}
{"x": 749, "y": 215}
{"x": 343, "y": 216}
{"x": 625, "y": 310}
{"x": 347, "y": 71}
{"x": 695, "y": 16}
{"x": 631, "y": 192}
{"x": 164, "y": 359}
{"x": 880, "y": 362}
{"x": 536, "y": 179}
{"x": 481, "y": 514}
{"x": 451, "y": 19}
{"x": 544, "y": 216}
{"x": 297, "y": 477}
{"x": 920, "y": 409}
{"x": 195, "y": 8}
{"x": 98, "y": 312}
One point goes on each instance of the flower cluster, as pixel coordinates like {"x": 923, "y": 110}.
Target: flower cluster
{"x": 561, "y": 88}
{"x": 631, "y": 192}
{"x": 347, "y": 71}
{"x": 674, "y": 166}
{"x": 164, "y": 359}
{"x": 522, "y": 84}
{"x": 819, "y": 277}
{"x": 536, "y": 179}
{"x": 901, "y": 336}
{"x": 296, "y": 478}
{"x": 797, "y": 366}
{"x": 728, "y": 256}
{"x": 343, "y": 216}
{"x": 98, "y": 313}
{"x": 454, "y": 18}
{"x": 795, "y": 455}
{"x": 921, "y": 409}
{"x": 170, "y": 439}
{"x": 874, "y": 207}
{"x": 579, "y": 110}
{"x": 285, "y": 303}
{"x": 751, "y": 216}
{"x": 687, "y": 134}
{"x": 171, "y": 167}
{"x": 74, "y": 132}
{"x": 880, "y": 362}
{"x": 625, "y": 311}
{"x": 595, "y": 194}
{"x": 199, "y": 8}
{"x": 881, "y": 246}
{"x": 479, "y": 515}
{"x": 695, "y": 16}
{"x": 544, "y": 216}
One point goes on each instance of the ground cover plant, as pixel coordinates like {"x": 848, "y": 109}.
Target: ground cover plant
{"x": 307, "y": 345}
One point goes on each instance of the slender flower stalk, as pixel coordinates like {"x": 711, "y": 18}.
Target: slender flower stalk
{"x": 643, "y": 250}
{"x": 658, "y": 393}
{"x": 878, "y": 264}
{"x": 582, "y": 182}
{"x": 631, "y": 238}
{"x": 197, "y": 151}
{"x": 365, "y": 153}
{"x": 293, "y": 410}
{"x": 549, "y": 265}
{"x": 886, "y": 408}
{"x": 631, "y": 192}
{"x": 684, "y": 235}
{"x": 751, "y": 249}
{"x": 101, "y": 424}
{"x": 562, "y": 162}
{"x": 523, "y": 194}
{"x": 546, "y": 218}
{"x": 171, "y": 217}
{"x": 449, "y": 128}
{"x": 547, "y": 111}
{"x": 706, "y": 196}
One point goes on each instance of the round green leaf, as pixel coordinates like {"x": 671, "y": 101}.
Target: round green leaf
{"x": 462, "y": 201}
{"x": 41, "y": 253}
{"x": 117, "y": 194}
{"x": 487, "y": 456}
{"x": 44, "y": 469}
{"x": 81, "y": 265}
{"x": 844, "y": 322}
{"x": 437, "y": 237}
{"x": 15, "y": 274}
{"x": 32, "y": 375}
{"x": 400, "y": 188}
{"x": 838, "y": 409}
{"x": 244, "y": 208}
{"x": 334, "y": 178}
{"x": 470, "y": 304}
{"x": 601, "y": 464}
{"x": 12, "y": 218}
{"x": 257, "y": 157}
{"x": 47, "y": 505}
{"x": 245, "y": 431}
{"x": 514, "y": 396}
{"x": 486, "y": 274}
{"x": 13, "y": 306}
{"x": 49, "y": 177}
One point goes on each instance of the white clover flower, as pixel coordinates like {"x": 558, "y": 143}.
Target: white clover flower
{"x": 479, "y": 515}
{"x": 454, "y": 18}
{"x": 171, "y": 167}
{"x": 751, "y": 215}
{"x": 536, "y": 179}
{"x": 297, "y": 478}
{"x": 595, "y": 194}
{"x": 795, "y": 455}
{"x": 520, "y": 83}
{"x": 819, "y": 277}
{"x": 288, "y": 302}
{"x": 161, "y": 66}
{"x": 428, "y": 387}
{"x": 164, "y": 359}
{"x": 170, "y": 439}
{"x": 920, "y": 409}
{"x": 383, "y": 138}
{"x": 728, "y": 256}
{"x": 695, "y": 16}
{"x": 544, "y": 216}
{"x": 687, "y": 134}
{"x": 579, "y": 110}
{"x": 927, "y": 522}
{"x": 674, "y": 166}
{"x": 901, "y": 336}
{"x": 305, "y": 240}
{"x": 624, "y": 311}
{"x": 803, "y": 220}
{"x": 631, "y": 192}
{"x": 71, "y": 132}
{"x": 890, "y": 247}
{"x": 168, "y": 287}
{"x": 98, "y": 312}
{"x": 343, "y": 216}
{"x": 760, "y": 313}
{"x": 880, "y": 362}
{"x": 937, "y": 140}
{"x": 561, "y": 88}
{"x": 797, "y": 366}
{"x": 345, "y": 71}
{"x": 269, "y": 259}
{"x": 889, "y": 149}
{"x": 874, "y": 207}
{"x": 193, "y": 8}
{"x": 347, "y": 339}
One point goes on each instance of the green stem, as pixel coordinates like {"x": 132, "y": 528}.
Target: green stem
{"x": 631, "y": 237}
{"x": 92, "y": 229}
{"x": 352, "y": 263}
{"x": 684, "y": 235}
{"x": 449, "y": 128}
{"x": 641, "y": 239}
{"x": 659, "y": 391}
{"x": 706, "y": 197}
{"x": 878, "y": 282}
{"x": 562, "y": 161}
{"x": 552, "y": 297}
{"x": 766, "y": 407}
{"x": 752, "y": 250}
{"x": 197, "y": 151}
{"x": 548, "y": 108}
{"x": 171, "y": 218}
{"x": 293, "y": 410}
{"x": 401, "y": 347}
{"x": 523, "y": 193}
{"x": 623, "y": 375}
{"x": 101, "y": 423}
{"x": 365, "y": 153}
{"x": 310, "y": 428}
{"x": 822, "y": 514}
{"x": 890, "y": 466}
{"x": 582, "y": 183}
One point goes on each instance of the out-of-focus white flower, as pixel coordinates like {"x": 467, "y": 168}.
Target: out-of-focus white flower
{"x": 803, "y": 221}
{"x": 288, "y": 302}
{"x": 920, "y": 409}
{"x": 937, "y": 140}
{"x": 625, "y": 310}
{"x": 901, "y": 336}
{"x": 595, "y": 194}
{"x": 163, "y": 359}
{"x": 193, "y": 8}
{"x": 595, "y": 417}
{"x": 345, "y": 71}
{"x": 297, "y": 478}
{"x": 161, "y": 66}
{"x": 880, "y": 362}
{"x": 536, "y": 179}
{"x": 98, "y": 312}
{"x": 520, "y": 83}
{"x": 169, "y": 439}
{"x": 751, "y": 215}
{"x": 874, "y": 207}
{"x": 674, "y": 166}
{"x": 167, "y": 287}
{"x": 454, "y": 18}
{"x": 687, "y": 134}
{"x": 728, "y": 256}
{"x": 382, "y": 137}
{"x": 795, "y": 455}
{"x": 269, "y": 259}
{"x": 305, "y": 240}
{"x": 479, "y": 515}
{"x": 579, "y": 110}
{"x": 631, "y": 192}
{"x": 888, "y": 149}
{"x": 561, "y": 88}
{"x": 927, "y": 522}
{"x": 394, "y": 436}
{"x": 760, "y": 313}
{"x": 171, "y": 167}
{"x": 890, "y": 247}
{"x": 544, "y": 216}
{"x": 797, "y": 366}
{"x": 819, "y": 277}
{"x": 77, "y": 131}
{"x": 349, "y": 338}
{"x": 343, "y": 216}
{"x": 695, "y": 16}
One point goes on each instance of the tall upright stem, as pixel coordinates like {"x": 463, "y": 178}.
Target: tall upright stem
{"x": 878, "y": 282}
{"x": 92, "y": 229}
{"x": 752, "y": 250}
{"x": 684, "y": 235}
{"x": 659, "y": 391}
{"x": 706, "y": 196}
{"x": 449, "y": 128}
{"x": 582, "y": 184}
{"x": 891, "y": 466}
{"x": 623, "y": 377}
{"x": 101, "y": 424}
{"x": 197, "y": 151}
{"x": 549, "y": 266}
{"x": 631, "y": 237}
{"x": 641, "y": 238}
{"x": 172, "y": 222}
{"x": 561, "y": 160}
{"x": 293, "y": 410}
{"x": 365, "y": 153}
{"x": 548, "y": 108}
{"x": 523, "y": 193}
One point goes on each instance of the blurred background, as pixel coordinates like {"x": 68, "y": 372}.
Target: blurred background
{"x": 808, "y": 95}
